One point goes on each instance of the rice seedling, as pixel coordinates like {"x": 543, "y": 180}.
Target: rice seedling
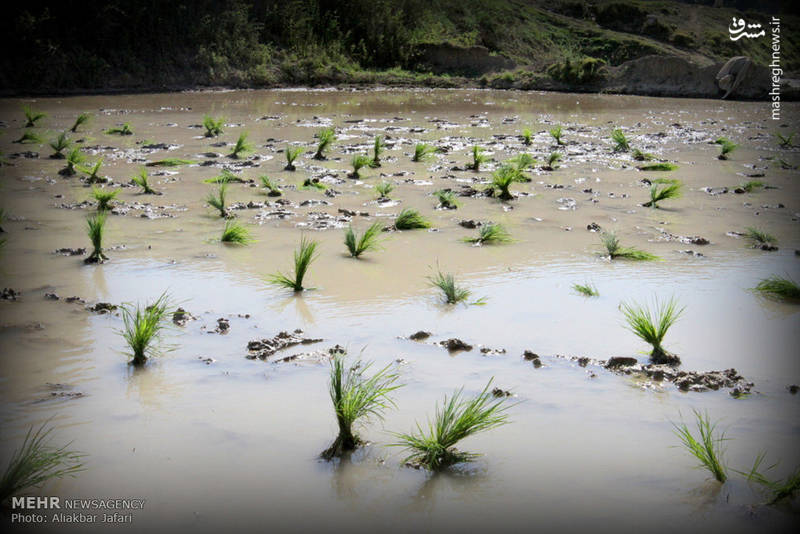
{"x": 779, "y": 288}
{"x": 707, "y": 447}
{"x": 213, "y": 126}
{"x": 556, "y": 133}
{"x": 522, "y": 161}
{"x": 490, "y": 234}
{"x": 621, "y": 143}
{"x": 422, "y": 151}
{"x": 652, "y": 325}
{"x": 241, "y": 147}
{"x": 759, "y": 238}
{"x": 751, "y": 185}
{"x": 368, "y": 240}
{"x": 552, "y": 161}
{"x": 527, "y": 137}
{"x": 59, "y": 145}
{"x": 272, "y": 188}
{"x": 727, "y": 146}
{"x": 477, "y": 158}
{"x": 456, "y": 419}
{"x": 410, "y": 219}
{"x": 30, "y": 137}
{"x": 143, "y": 328}
{"x": 291, "y": 155}
{"x": 785, "y": 141}
{"x": 452, "y": 292}
{"x": 303, "y": 257}
{"x": 779, "y": 489}
{"x": 638, "y": 155}
{"x": 447, "y": 199}
{"x": 32, "y": 117}
{"x": 313, "y": 183}
{"x": 80, "y": 120}
{"x": 502, "y": 179}
{"x": 104, "y": 198}
{"x": 658, "y": 167}
{"x": 356, "y": 397}
{"x": 170, "y": 162}
{"x": 358, "y": 162}
{"x": 383, "y": 189}
{"x": 226, "y": 177}
{"x": 326, "y": 138}
{"x": 35, "y": 462}
{"x": 74, "y": 158}
{"x": 125, "y": 129}
{"x": 217, "y": 200}
{"x": 141, "y": 180}
{"x": 616, "y": 250}
{"x": 235, "y": 233}
{"x": 95, "y": 226}
{"x": 587, "y": 289}
{"x": 664, "y": 192}
{"x": 377, "y": 148}
{"x": 91, "y": 173}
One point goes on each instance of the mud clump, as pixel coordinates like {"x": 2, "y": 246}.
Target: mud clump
{"x": 501, "y": 393}
{"x": 264, "y": 348}
{"x": 420, "y": 336}
{"x": 315, "y": 357}
{"x": 102, "y": 308}
{"x": 593, "y": 227}
{"x": 454, "y": 345}
{"x": 223, "y": 326}
{"x": 51, "y": 296}
{"x": 532, "y": 357}
{"x": 793, "y": 389}
{"x": 70, "y": 251}
{"x": 620, "y": 361}
{"x": 9, "y": 294}
{"x": 180, "y": 317}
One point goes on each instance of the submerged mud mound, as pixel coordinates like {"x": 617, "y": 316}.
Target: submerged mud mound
{"x": 446, "y": 58}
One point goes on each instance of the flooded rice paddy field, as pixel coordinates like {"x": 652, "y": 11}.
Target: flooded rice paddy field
{"x": 213, "y": 439}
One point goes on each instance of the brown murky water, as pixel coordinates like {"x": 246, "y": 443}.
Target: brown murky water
{"x": 234, "y": 443}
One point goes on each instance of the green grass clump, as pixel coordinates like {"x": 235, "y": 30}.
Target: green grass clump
{"x": 638, "y": 155}
{"x": 663, "y": 192}
{"x": 616, "y": 250}
{"x": 141, "y": 180}
{"x": 410, "y": 219}
{"x": 490, "y": 234}
{"x": 377, "y": 148}
{"x": 30, "y": 137}
{"x": 125, "y": 129}
{"x": 707, "y": 447}
{"x": 556, "y": 132}
{"x": 383, "y": 189}
{"x": 502, "y": 179}
{"x": 453, "y": 293}
{"x": 621, "y": 143}
{"x": 356, "y": 397}
{"x": 751, "y": 185}
{"x": 91, "y": 173}
{"x": 313, "y": 183}
{"x": 217, "y": 200}
{"x": 727, "y": 146}
{"x": 74, "y": 158}
{"x": 326, "y": 138}
{"x": 170, "y": 162}
{"x": 368, "y": 240}
{"x": 59, "y": 145}
{"x": 272, "y": 188}
{"x": 785, "y": 141}
{"x": 652, "y": 325}
{"x": 477, "y": 158}
{"x": 35, "y": 462}
{"x": 32, "y": 117}
{"x": 779, "y": 489}
{"x": 213, "y": 126}
{"x": 291, "y": 155}
{"x": 658, "y": 167}
{"x": 104, "y": 198}
{"x": 457, "y": 419}
{"x": 527, "y": 137}
{"x": 143, "y": 326}
{"x": 552, "y": 161}
{"x": 759, "y": 238}
{"x": 423, "y": 151}
{"x": 236, "y": 234}
{"x": 225, "y": 177}
{"x": 358, "y": 162}
{"x": 303, "y": 257}
{"x": 587, "y": 289}
{"x": 447, "y": 199}
{"x": 81, "y": 119}
{"x": 241, "y": 147}
{"x": 95, "y": 227}
{"x": 779, "y": 288}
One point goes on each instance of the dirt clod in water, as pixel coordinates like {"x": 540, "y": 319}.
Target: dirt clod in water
{"x": 223, "y": 326}
{"x": 180, "y": 317}
{"x": 419, "y": 336}
{"x": 454, "y": 344}
{"x": 497, "y": 392}
{"x": 620, "y": 361}
{"x": 264, "y": 348}
{"x": 102, "y": 307}
{"x": 9, "y": 294}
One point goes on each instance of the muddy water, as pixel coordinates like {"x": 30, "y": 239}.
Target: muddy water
{"x": 233, "y": 442}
